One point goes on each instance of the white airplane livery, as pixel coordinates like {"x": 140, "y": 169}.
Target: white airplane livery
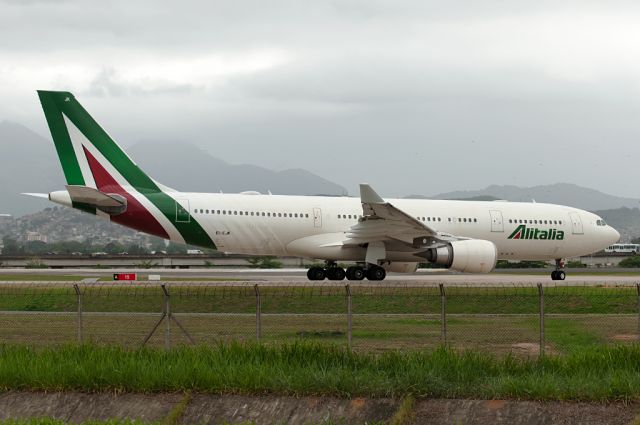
{"x": 376, "y": 234}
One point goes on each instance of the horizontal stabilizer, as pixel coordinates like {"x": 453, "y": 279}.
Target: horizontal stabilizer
{"x": 89, "y": 195}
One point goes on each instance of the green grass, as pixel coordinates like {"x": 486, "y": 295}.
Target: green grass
{"x": 318, "y": 369}
{"x": 420, "y": 300}
{"x": 39, "y": 278}
{"x": 569, "y": 335}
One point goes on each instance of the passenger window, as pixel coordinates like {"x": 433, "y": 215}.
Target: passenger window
{"x": 306, "y": 215}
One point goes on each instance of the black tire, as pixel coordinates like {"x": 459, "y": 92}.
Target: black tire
{"x": 561, "y": 275}
{"x": 376, "y": 273}
{"x": 358, "y": 273}
{"x": 335, "y": 273}
{"x": 554, "y": 275}
{"x": 316, "y": 273}
{"x": 355, "y": 273}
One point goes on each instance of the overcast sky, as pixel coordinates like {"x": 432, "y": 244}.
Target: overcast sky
{"x": 414, "y": 97}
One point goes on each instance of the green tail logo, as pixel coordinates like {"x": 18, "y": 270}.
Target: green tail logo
{"x": 524, "y": 232}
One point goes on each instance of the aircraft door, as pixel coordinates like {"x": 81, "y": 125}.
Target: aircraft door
{"x": 576, "y": 223}
{"x": 182, "y": 211}
{"x": 317, "y": 217}
{"x": 496, "y": 221}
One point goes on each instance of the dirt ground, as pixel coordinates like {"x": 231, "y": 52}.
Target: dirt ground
{"x": 215, "y": 409}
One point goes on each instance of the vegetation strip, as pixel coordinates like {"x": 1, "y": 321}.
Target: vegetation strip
{"x": 318, "y": 369}
{"x": 234, "y": 299}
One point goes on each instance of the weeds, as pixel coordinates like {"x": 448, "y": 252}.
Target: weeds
{"x": 322, "y": 369}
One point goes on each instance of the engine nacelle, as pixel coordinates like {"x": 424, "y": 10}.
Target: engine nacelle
{"x": 472, "y": 256}
{"x": 400, "y": 267}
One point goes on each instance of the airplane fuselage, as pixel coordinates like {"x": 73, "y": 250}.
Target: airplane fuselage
{"x": 270, "y": 224}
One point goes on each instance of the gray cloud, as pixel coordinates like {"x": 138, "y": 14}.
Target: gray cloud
{"x": 412, "y": 96}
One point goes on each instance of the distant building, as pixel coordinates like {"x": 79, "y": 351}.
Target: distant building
{"x": 35, "y": 236}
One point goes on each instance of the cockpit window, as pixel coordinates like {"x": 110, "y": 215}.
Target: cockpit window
{"x": 601, "y": 223}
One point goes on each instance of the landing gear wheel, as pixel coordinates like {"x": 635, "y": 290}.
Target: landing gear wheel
{"x": 355, "y": 273}
{"x": 558, "y": 274}
{"x": 316, "y": 273}
{"x": 335, "y": 273}
{"x": 376, "y": 273}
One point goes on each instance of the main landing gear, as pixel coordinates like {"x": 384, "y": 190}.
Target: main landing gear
{"x": 332, "y": 271}
{"x": 558, "y": 274}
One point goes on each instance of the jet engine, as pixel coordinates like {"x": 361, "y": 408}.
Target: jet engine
{"x": 473, "y": 256}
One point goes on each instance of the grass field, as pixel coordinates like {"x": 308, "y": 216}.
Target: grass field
{"x": 373, "y": 299}
{"x": 499, "y": 320}
{"x": 320, "y": 369}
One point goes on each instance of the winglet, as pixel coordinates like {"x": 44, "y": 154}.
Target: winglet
{"x": 369, "y": 196}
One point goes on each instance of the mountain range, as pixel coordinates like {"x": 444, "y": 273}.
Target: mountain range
{"x": 559, "y": 193}
{"x": 29, "y": 163}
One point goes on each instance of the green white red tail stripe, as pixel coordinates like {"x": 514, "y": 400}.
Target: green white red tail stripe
{"x": 89, "y": 157}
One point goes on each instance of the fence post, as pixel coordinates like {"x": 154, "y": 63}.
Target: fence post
{"x": 443, "y": 314}
{"x": 638, "y": 301}
{"x": 79, "y": 316}
{"x": 349, "y": 315}
{"x": 167, "y": 313}
{"x": 541, "y": 298}
{"x": 258, "y": 312}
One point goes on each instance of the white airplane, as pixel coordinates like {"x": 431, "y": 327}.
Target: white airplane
{"x": 377, "y": 234}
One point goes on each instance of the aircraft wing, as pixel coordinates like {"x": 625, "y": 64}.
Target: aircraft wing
{"x": 383, "y": 221}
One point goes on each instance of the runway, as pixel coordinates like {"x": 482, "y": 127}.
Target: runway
{"x": 297, "y": 277}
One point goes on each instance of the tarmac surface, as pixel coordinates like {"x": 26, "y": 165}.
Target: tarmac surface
{"x": 297, "y": 277}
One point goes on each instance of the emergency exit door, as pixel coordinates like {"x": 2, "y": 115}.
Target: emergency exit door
{"x": 576, "y": 223}
{"x": 317, "y": 217}
{"x": 496, "y": 221}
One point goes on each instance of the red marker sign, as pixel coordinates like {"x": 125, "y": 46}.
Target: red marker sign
{"x": 124, "y": 276}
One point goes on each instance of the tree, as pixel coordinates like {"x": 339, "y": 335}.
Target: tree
{"x": 11, "y": 247}
{"x": 630, "y": 261}
{"x": 113, "y": 248}
{"x": 36, "y": 247}
{"x": 176, "y": 248}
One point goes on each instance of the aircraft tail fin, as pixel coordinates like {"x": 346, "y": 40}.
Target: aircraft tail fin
{"x": 89, "y": 156}
{"x": 103, "y": 179}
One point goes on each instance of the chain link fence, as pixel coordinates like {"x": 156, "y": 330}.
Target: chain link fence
{"x": 525, "y": 319}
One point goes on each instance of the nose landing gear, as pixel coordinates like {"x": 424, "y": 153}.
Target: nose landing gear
{"x": 558, "y": 273}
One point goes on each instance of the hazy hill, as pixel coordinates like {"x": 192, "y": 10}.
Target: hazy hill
{"x": 624, "y": 220}
{"x": 29, "y": 163}
{"x": 187, "y": 167}
{"x": 560, "y": 193}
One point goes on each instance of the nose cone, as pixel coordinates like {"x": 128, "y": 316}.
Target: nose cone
{"x": 612, "y": 235}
